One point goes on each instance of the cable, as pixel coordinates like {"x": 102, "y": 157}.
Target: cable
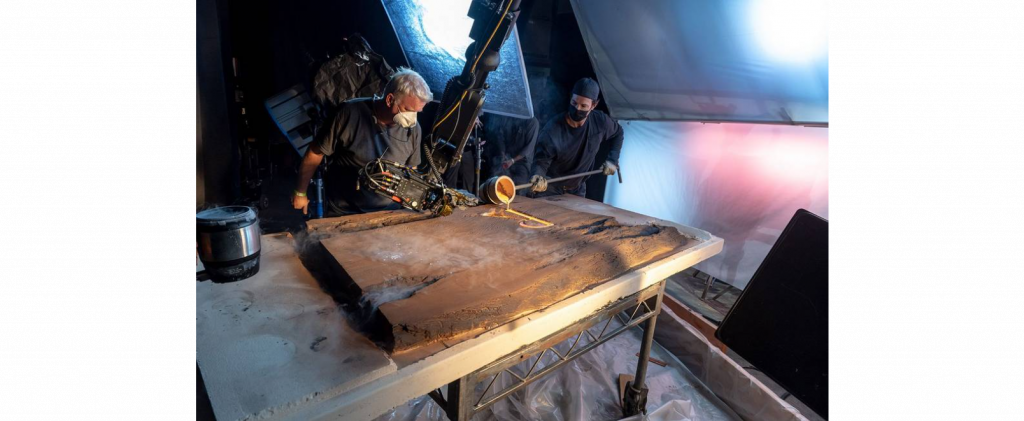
{"x": 480, "y": 53}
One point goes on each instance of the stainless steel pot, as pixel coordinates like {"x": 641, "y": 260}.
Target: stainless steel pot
{"x": 229, "y": 242}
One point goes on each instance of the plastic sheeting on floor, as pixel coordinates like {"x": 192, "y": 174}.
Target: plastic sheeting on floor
{"x": 587, "y": 389}
{"x": 672, "y": 410}
{"x": 746, "y": 395}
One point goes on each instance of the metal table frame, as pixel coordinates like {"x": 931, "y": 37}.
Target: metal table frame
{"x": 465, "y": 398}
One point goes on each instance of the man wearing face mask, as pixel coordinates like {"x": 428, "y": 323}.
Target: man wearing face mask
{"x": 568, "y": 144}
{"x": 360, "y": 131}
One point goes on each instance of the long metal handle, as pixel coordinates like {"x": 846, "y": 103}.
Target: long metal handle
{"x": 568, "y": 177}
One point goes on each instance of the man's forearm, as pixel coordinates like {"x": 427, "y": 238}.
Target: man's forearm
{"x": 616, "y": 144}
{"x": 519, "y": 155}
{"x": 309, "y": 163}
{"x": 540, "y": 167}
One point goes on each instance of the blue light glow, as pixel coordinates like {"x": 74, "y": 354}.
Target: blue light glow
{"x": 794, "y": 31}
{"x": 447, "y": 28}
{"x": 434, "y": 35}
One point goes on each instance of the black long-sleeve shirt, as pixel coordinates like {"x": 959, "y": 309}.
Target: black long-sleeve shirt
{"x": 563, "y": 150}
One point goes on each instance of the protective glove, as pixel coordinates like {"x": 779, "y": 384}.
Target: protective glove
{"x": 609, "y": 168}
{"x": 538, "y": 184}
{"x": 507, "y": 163}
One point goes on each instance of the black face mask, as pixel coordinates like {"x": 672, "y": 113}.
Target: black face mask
{"x": 576, "y": 115}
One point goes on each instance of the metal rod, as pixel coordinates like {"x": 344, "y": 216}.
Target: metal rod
{"x": 724, "y": 290}
{"x": 437, "y": 397}
{"x": 635, "y": 396}
{"x": 560, "y": 363}
{"x": 655, "y": 360}
{"x": 479, "y": 162}
{"x": 645, "y": 353}
{"x": 567, "y": 177}
{"x": 457, "y": 408}
{"x": 707, "y": 287}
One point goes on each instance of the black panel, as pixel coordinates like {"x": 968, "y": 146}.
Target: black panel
{"x": 780, "y": 321}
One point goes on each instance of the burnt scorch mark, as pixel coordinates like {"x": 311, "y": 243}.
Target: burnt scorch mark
{"x": 597, "y": 227}
{"x": 640, "y": 232}
{"x": 397, "y": 288}
{"x": 317, "y": 344}
{"x": 623, "y": 231}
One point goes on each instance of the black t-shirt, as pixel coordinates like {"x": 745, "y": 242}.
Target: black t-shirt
{"x": 351, "y": 139}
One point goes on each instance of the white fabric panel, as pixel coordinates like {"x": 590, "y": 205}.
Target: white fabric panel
{"x": 740, "y": 182}
{"x": 740, "y": 60}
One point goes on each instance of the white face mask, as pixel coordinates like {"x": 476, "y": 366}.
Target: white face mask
{"x": 406, "y": 119}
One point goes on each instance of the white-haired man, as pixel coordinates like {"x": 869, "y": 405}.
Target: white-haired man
{"x": 360, "y": 131}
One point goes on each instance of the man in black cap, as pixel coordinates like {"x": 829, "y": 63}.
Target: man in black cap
{"x": 568, "y": 144}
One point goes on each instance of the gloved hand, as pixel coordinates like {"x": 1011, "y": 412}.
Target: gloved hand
{"x": 539, "y": 184}
{"x": 609, "y": 168}
{"x": 465, "y": 199}
{"x": 507, "y": 163}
